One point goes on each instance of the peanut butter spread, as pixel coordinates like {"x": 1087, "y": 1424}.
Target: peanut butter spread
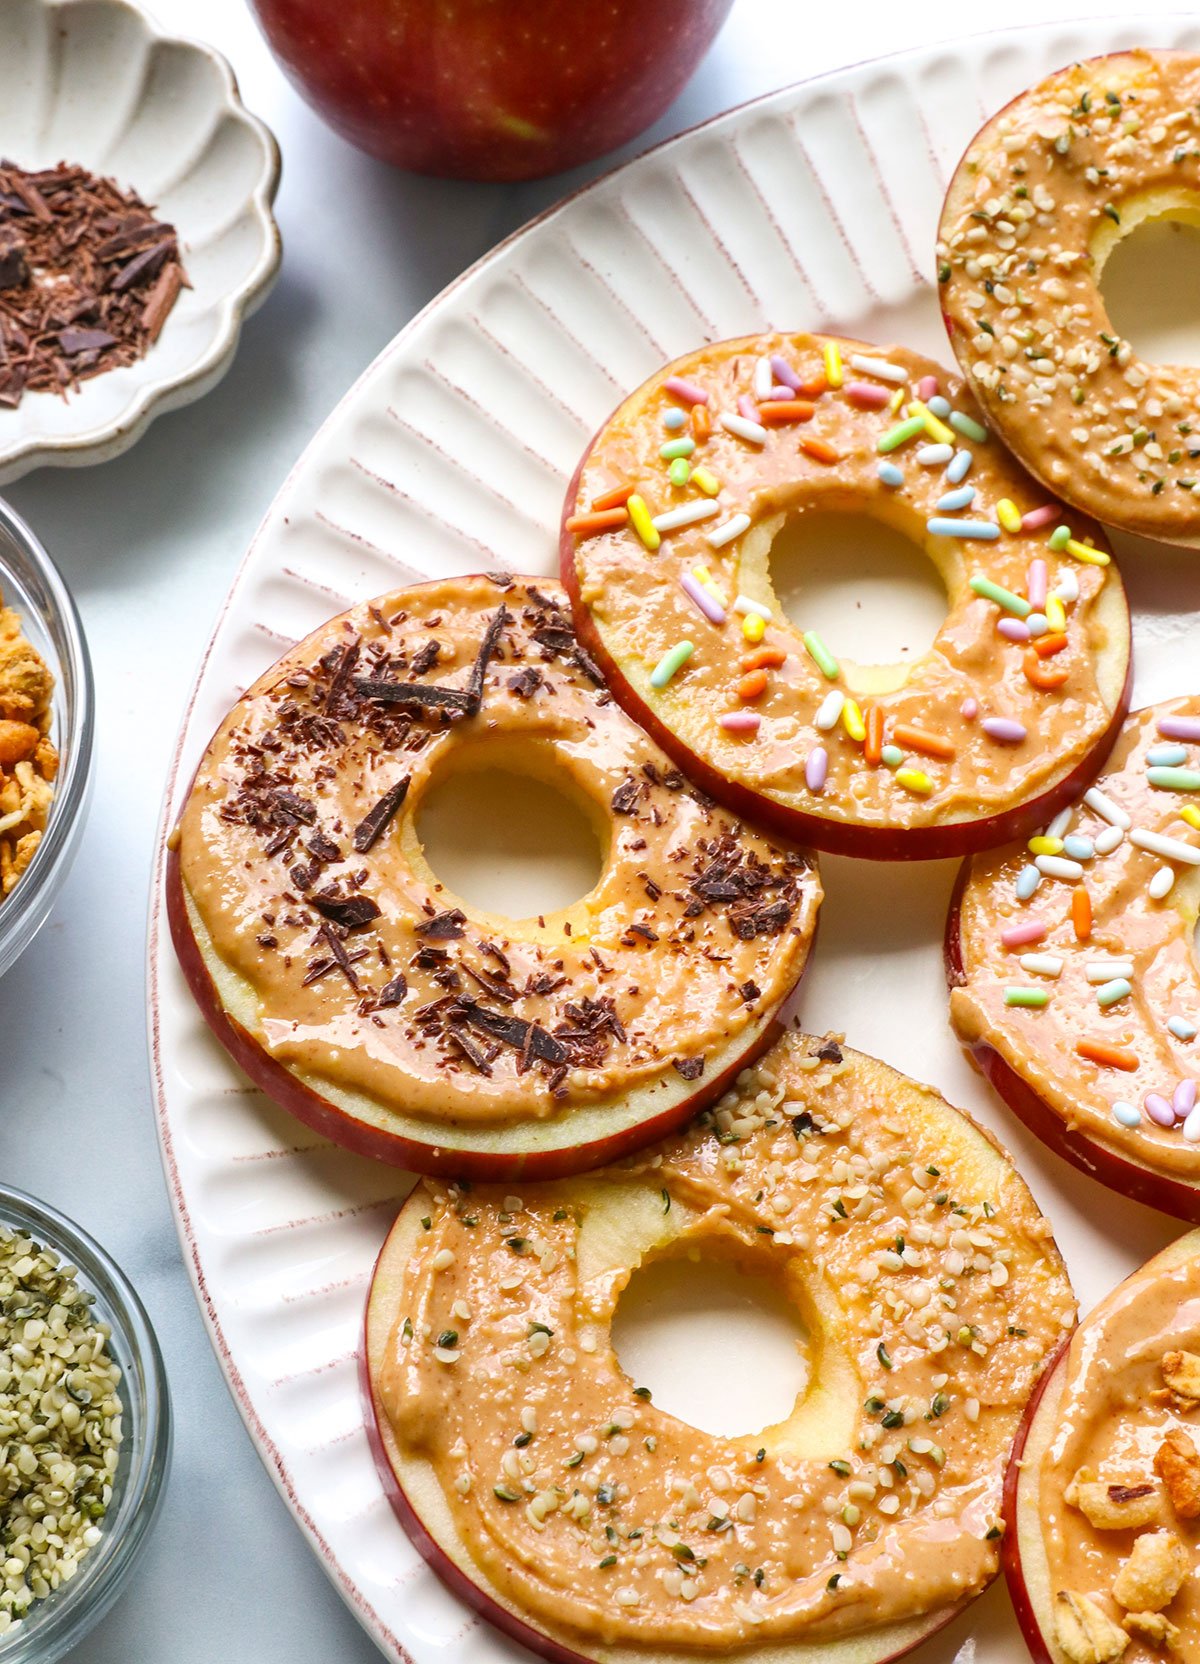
{"x": 307, "y": 881}
{"x": 931, "y": 1293}
{"x": 1044, "y": 193}
{"x": 1024, "y": 676}
{"x": 1119, "y": 1489}
{"x": 1092, "y": 997}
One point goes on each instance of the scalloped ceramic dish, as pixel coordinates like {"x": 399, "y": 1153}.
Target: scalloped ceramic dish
{"x": 814, "y": 206}
{"x": 94, "y": 82}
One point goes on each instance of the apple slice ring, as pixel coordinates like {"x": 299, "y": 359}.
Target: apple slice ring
{"x": 665, "y": 551}
{"x": 1103, "y": 1493}
{"x": 1046, "y": 190}
{"x": 394, "y": 1017}
{"x": 1074, "y": 985}
{"x": 554, "y": 1496}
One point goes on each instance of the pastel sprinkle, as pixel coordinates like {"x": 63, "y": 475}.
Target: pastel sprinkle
{"x": 939, "y": 405}
{"x": 969, "y": 709}
{"x": 927, "y": 387}
{"x": 742, "y": 428}
{"x": 685, "y": 515}
{"x": 1045, "y": 844}
{"x": 1032, "y": 997}
{"x": 674, "y": 420}
{"x": 1179, "y": 728}
{"x": 1167, "y": 756}
{"x": 672, "y": 660}
{"x": 1036, "y": 581}
{"x": 934, "y": 456}
{"x": 880, "y": 367}
{"x": 816, "y": 769}
{"x": 1012, "y": 629}
{"x": 1042, "y": 964}
{"x": 1118, "y": 989}
{"x": 936, "y": 429}
{"x": 727, "y": 531}
{"x": 960, "y": 467}
{"x": 783, "y": 372}
{"x": 829, "y": 710}
{"x": 643, "y": 525}
{"x": 914, "y": 780}
{"x": 1159, "y": 1110}
{"x": 1181, "y": 1028}
{"x": 685, "y": 390}
{"x": 1039, "y": 517}
{"x": 1174, "y": 779}
{"x": 1171, "y": 849}
{"x": 900, "y": 434}
{"x": 896, "y": 400}
{"x": 1019, "y": 935}
{"x": 763, "y": 379}
{"x": 986, "y": 530}
{"x": 1039, "y": 624}
{"x": 1125, "y": 1114}
{"x": 1104, "y": 970}
{"x": 1067, "y": 588}
{"x": 1008, "y": 514}
{"x": 1183, "y": 1099}
{"x": 862, "y": 393}
{"x": 1078, "y": 847}
{"x": 1056, "y": 613}
{"x": 962, "y": 497}
{"x": 1191, "y": 1127}
{"x": 1107, "y": 809}
{"x": 1191, "y": 814}
{"x": 967, "y": 426}
{"x": 679, "y": 473}
{"x": 1109, "y": 839}
{"x": 834, "y": 374}
{"x": 1085, "y": 553}
{"x": 891, "y": 756}
{"x": 745, "y": 604}
{"x": 890, "y": 474}
{"x": 706, "y": 480}
{"x": 740, "y": 722}
{"x": 1161, "y": 884}
{"x": 852, "y": 721}
{"x": 676, "y": 447}
{"x": 748, "y": 409}
{"x": 754, "y": 628}
{"x": 1057, "y": 866}
{"x": 1060, "y": 537}
{"x": 703, "y": 600}
{"x": 1028, "y": 880}
{"x": 820, "y": 654}
{"x": 1004, "y": 729}
{"x": 1058, "y": 826}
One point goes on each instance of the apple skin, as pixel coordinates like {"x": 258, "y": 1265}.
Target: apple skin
{"x": 1129, "y": 1178}
{"x": 417, "y": 1156}
{"x": 460, "y": 1583}
{"x": 489, "y": 89}
{"x": 1010, "y": 1548}
{"x": 867, "y": 843}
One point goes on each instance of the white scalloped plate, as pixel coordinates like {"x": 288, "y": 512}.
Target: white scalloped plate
{"x": 815, "y": 206}
{"x": 95, "y": 82}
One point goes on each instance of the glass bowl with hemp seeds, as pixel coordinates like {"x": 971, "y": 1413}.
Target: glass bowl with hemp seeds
{"x": 85, "y": 1430}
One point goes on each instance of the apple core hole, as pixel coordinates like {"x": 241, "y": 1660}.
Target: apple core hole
{"x": 1149, "y": 284}
{"x": 720, "y": 1348}
{"x": 509, "y": 843}
{"x": 872, "y": 594}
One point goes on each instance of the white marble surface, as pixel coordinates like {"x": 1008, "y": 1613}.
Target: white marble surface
{"x": 149, "y": 543}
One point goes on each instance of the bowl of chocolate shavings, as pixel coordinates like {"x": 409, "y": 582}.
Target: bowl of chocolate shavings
{"x": 136, "y": 229}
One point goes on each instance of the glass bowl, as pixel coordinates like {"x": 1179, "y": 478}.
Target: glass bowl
{"x": 29, "y": 582}
{"x": 62, "y": 1618}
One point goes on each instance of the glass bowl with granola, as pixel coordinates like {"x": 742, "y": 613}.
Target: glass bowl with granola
{"x": 46, "y": 734}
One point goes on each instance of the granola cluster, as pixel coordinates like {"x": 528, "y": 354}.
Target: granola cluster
{"x": 28, "y": 758}
{"x": 1151, "y": 1505}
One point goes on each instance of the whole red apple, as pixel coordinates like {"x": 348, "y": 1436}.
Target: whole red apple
{"x": 489, "y": 89}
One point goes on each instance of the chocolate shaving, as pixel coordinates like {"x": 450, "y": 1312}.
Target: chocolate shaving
{"x": 426, "y": 657}
{"x": 750, "y": 991}
{"x": 1128, "y": 1493}
{"x": 87, "y": 278}
{"x": 517, "y": 1031}
{"x": 624, "y": 799}
{"x": 295, "y": 808}
{"x": 691, "y": 1068}
{"x": 443, "y": 927}
{"x": 525, "y": 683}
{"x": 393, "y": 992}
{"x": 430, "y": 694}
{"x": 469, "y": 1050}
{"x": 337, "y": 954}
{"x": 377, "y": 820}
{"x": 487, "y": 648}
{"x": 351, "y": 912}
